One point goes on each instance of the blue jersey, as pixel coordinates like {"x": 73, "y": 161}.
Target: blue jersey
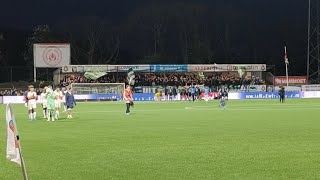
{"x": 206, "y": 91}
{"x": 70, "y": 100}
{"x": 192, "y": 90}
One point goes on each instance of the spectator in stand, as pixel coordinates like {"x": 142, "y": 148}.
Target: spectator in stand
{"x": 214, "y": 81}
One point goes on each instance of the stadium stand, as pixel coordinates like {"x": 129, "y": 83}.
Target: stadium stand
{"x": 169, "y": 79}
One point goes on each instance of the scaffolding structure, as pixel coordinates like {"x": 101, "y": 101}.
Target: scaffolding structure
{"x": 313, "y": 57}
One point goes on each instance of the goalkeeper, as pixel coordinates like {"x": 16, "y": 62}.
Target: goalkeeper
{"x": 128, "y": 99}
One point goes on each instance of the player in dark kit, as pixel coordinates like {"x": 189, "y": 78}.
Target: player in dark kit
{"x": 282, "y": 94}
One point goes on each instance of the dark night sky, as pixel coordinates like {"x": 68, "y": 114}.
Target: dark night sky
{"x": 292, "y": 14}
{"x": 25, "y": 14}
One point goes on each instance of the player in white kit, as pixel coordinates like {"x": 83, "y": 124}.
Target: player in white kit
{"x": 32, "y": 102}
{"x": 57, "y": 101}
{"x": 43, "y": 100}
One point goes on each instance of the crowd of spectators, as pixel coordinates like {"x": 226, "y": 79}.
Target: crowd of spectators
{"x": 17, "y": 92}
{"x": 11, "y": 92}
{"x": 214, "y": 81}
{"x": 168, "y": 79}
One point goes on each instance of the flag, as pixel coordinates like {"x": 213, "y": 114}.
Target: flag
{"x": 286, "y": 60}
{"x": 13, "y": 151}
{"x": 131, "y": 77}
{"x": 94, "y": 73}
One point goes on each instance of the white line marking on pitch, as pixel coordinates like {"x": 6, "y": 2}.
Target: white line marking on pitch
{"x": 252, "y": 109}
{"x": 207, "y": 109}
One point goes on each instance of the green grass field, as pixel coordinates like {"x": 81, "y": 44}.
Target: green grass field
{"x": 252, "y": 139}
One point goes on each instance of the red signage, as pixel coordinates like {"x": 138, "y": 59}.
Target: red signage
{"x": 211, "y": 95}
{"x": 293, "y": 80}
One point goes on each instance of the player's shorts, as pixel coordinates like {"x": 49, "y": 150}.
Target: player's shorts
{"x": 63, "y": 100}
{"x": 70, "y": 107}
{"x": 32, "y": 105}
{"x": 57, "y": 103}
{"x": 44, "y": 104}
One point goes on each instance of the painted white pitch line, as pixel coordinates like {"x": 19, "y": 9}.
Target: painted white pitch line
{"x": 208, "y": 108}
{"x": 252, "y": 109}
{"x": 205, "y": 109}
{"x": 197, "y": 102}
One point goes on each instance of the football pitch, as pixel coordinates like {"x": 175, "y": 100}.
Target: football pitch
{"x": 251, "y": 139}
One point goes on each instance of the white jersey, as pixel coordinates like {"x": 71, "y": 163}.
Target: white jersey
{"x": 64, "y": 96}
{"x": 58, "y": 95}
{"x": 31, "y": 97}
{"x": 57, "y": 101}
{"x": 43, "y": 98}
{"x": 32, "y": 100}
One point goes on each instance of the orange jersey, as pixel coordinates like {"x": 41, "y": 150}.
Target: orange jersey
{"x": 128, "y": 95}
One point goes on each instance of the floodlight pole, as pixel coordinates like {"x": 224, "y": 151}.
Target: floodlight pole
{"x": 287, "y": 63}
{"x": 287, "y": 76}
{"x": 34, "y": 66}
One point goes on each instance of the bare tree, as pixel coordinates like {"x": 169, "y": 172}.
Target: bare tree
{"x": 94, "y": 40}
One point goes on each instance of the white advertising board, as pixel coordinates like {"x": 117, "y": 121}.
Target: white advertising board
{"x": 51, "y": 55}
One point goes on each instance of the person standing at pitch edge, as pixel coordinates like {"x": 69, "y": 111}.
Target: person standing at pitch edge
{"x": 128, "y": 99}
{"x": 70, "y": 101}
{"x": 282, "y": 94}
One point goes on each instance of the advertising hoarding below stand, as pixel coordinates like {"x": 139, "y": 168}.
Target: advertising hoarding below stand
{"x": 211, "y": 96}
{"x": 311, "y": 87}
{"x": 288, "y": 89}
{"x": 310, "y": 94}
{"x": 263, "y": 95}
{"x": 151, "y": 96}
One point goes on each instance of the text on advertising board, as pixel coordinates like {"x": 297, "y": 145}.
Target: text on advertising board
{"x": 293, "y": 80}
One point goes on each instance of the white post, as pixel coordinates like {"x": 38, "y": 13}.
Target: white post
{"x": 34, "y": 74}
{"x": 60, "y": 69}
{"x": 286, "y": 60}
{"x": 287, "y": 75}
{"x": 34, "y": 65}
{"x": 23, "y": 165}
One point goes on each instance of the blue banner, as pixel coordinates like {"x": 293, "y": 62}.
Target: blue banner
{"x": 169, "y": 68}
{"x": 265, "y": 95}
{"x": 150, "y": 96}
{"x": 97, "y": 97}
{"x": 114, "y": 97}
{"x": 143, "y": 97}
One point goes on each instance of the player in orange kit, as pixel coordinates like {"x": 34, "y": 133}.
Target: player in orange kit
{"x": 128, "y": 99}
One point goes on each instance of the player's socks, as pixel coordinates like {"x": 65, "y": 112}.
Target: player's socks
{"x": 34, "y": 115}
{"x": 44, "y": 113}
{"x": 56, "y": 114}
{"x": 53, "y": 115}
{"x": 65, "y": 108}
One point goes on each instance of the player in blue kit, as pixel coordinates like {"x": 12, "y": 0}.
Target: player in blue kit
{"x": 206, "y": 94}
{"x": 223, "y": 102}
{"x": 192, "y": 91}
